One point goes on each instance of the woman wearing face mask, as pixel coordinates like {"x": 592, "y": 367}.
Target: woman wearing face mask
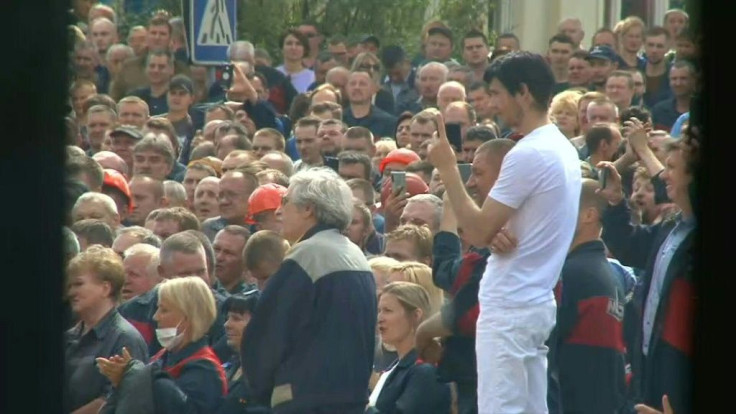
{"x": 408, "y": 386}
{"x": 186, "y": 375}
{"x": 96, "y": 279}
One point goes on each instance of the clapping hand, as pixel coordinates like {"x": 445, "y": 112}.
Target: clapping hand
{"x": 637, "y": 134}
{"x": 114, "y": 368}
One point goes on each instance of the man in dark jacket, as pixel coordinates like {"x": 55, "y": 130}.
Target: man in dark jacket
{"x": 309, "y": 345}
{"x": 665, "y": 298}
{"x": 459, "y": 275}
{"x": 589, "y": 348}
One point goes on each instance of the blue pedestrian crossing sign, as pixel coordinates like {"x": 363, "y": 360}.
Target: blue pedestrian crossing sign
{"x": 212, "y": 30}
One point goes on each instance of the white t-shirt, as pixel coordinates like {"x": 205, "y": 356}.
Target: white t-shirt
{"x": 300, "y": 80}
{"x": 540, "y": 178}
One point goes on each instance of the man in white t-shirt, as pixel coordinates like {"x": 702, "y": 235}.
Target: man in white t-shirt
{"x": 536, "y": 198}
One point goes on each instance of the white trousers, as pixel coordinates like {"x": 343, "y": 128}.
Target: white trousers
{"x": 512, "y": 358}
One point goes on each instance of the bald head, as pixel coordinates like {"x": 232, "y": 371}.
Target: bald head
{"x": 572, "y": 27}
{"x": 148, "y": 195}
{"x": 450, "y": 92}
{"x": 279, "y": 161}
{"x": 237, "y": 159}
{"x": 338, "y": 77}
{"x": 111, "y": 160}
{"x": 209, "y": 129}
{"x": 104, "y": 33}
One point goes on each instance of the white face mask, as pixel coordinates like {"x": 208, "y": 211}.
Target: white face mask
{"x": 167, "y": 337}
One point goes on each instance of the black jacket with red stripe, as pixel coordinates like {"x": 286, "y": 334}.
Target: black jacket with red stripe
{"x": 667, "y": 367}
{"x": 459, "y": 275}
{"x": 590, "y": 348}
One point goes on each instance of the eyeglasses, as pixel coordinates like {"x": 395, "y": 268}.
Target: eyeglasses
{"x": 367, "y": 66}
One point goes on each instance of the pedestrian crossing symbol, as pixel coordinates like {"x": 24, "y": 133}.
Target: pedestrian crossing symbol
{"x": 215, "y": 28}
{"x": 212, "y": 29}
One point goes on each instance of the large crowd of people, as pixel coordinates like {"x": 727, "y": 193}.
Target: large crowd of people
{"x": 353, "y": 229}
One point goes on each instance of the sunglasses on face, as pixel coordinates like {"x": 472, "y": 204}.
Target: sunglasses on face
{"x": 366, "y": 66}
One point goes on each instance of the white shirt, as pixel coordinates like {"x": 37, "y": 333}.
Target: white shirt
{"x": 379, "y": 385}
{"x": 300, "y": 80}
{"x": 540, "y": 178}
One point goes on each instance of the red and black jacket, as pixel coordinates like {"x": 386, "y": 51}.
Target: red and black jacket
{"x": 667, "y": 367}
{"x": 459, "y": 275}
{"x": 590, "y": 348}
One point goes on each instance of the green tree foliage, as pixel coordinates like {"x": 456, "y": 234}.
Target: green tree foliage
{"x": 392, "y": 21}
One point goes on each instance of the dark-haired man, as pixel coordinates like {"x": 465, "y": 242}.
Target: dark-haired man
{"x": 475, "y": 53}
{"x": 656, "y": 68}
{"x": 536, "y": 196}
{"x": 558, "y": 54}
{"x": 399, "y": 77}
{"x": 159, "y": 70}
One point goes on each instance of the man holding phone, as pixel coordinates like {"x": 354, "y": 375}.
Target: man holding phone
{"x": 603, "y": 142}
{"x": 536, "y": 197}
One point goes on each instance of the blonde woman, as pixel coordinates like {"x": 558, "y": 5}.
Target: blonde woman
{"x": 408, "y": 386}
{"x": 420, "y": 274}
{"x": 564, "y": 112}
{"x": 196, "y": 381}
{"x": 385, "y": 354}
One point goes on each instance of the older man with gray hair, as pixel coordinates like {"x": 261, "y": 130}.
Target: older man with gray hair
{"x": 449, "y": 92}
{"x": 141, "y": 270}
{"x": 423, "y": 210}
{"x": 317, "y": 310}
{"x": 428, "y": 80}
{"x": 96, "y": 206}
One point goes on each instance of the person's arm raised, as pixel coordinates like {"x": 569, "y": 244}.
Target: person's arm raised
{"x": 493, "y": 214}
{"x": 241, "y": 89}
{"x": 639, "y": 141}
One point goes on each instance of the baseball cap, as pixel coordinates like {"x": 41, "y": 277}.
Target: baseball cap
{"x": 114, "y": 179}
{"x": 265, "y": 198}
{"x": 182, "y": 82}
{"x": 400, "y": 155}
{"x": 128, "y": 130}
{"x": 602, "y": 52}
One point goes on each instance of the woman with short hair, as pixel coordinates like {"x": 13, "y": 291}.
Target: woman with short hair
{"x": 95, "y": 278}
